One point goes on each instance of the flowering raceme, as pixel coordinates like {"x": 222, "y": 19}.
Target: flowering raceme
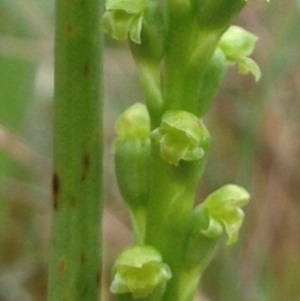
{"x": 182, "y": 50}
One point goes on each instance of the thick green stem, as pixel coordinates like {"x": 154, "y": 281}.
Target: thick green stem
{"x": 190, "y": 44}
{"x": 171, "y": 199}
{"x": 74, "y": 271}
{"x": 169, "y": 185}
{"x": 180, "y": 41}
{"x": 149, "y": 74}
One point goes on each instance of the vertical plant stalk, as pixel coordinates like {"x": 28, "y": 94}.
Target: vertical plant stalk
{"x": 74, "y": 271}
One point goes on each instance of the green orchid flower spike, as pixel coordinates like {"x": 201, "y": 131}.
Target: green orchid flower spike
{"x": 140, "y": 271}
{"x": 182, "y": 50}
{"x": 181, "y": 136}
{"x": 123, "y": 19}
{"x": 223, "y": 209}
{"x": 237, "y": 44}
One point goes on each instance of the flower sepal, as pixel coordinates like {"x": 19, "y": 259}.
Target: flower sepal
{"x": 152, "y": 35}
{"x": 237, "y": 44}
{"x": 123, "y": 19}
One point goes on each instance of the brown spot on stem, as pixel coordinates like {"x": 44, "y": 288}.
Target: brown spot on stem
{"x": 82, "y": 258}
{"x": 98, "y": 277}
{"x": 86, "y": 69}
{"x": 55, "y": 190}
{"x": 62, "y": 266}
{"x": 69, "y": 29}
{"x": 85, "y": 167}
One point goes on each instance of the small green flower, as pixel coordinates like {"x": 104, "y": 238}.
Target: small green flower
{"x": 124, "y": 18}
{"x": 181, "y": 136}
{"x": 139, "y": 270}
{"x": 223, "y": 209}
{"x": 237, "y": 44}
{"x": 134, "y": 122}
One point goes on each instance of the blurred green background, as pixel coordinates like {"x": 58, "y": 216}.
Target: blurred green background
{"x": 256, "y": 143}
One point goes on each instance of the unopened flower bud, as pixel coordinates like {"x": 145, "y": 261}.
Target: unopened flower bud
{"x": 133, "y": 123}
{"x": 132, "y": 151}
